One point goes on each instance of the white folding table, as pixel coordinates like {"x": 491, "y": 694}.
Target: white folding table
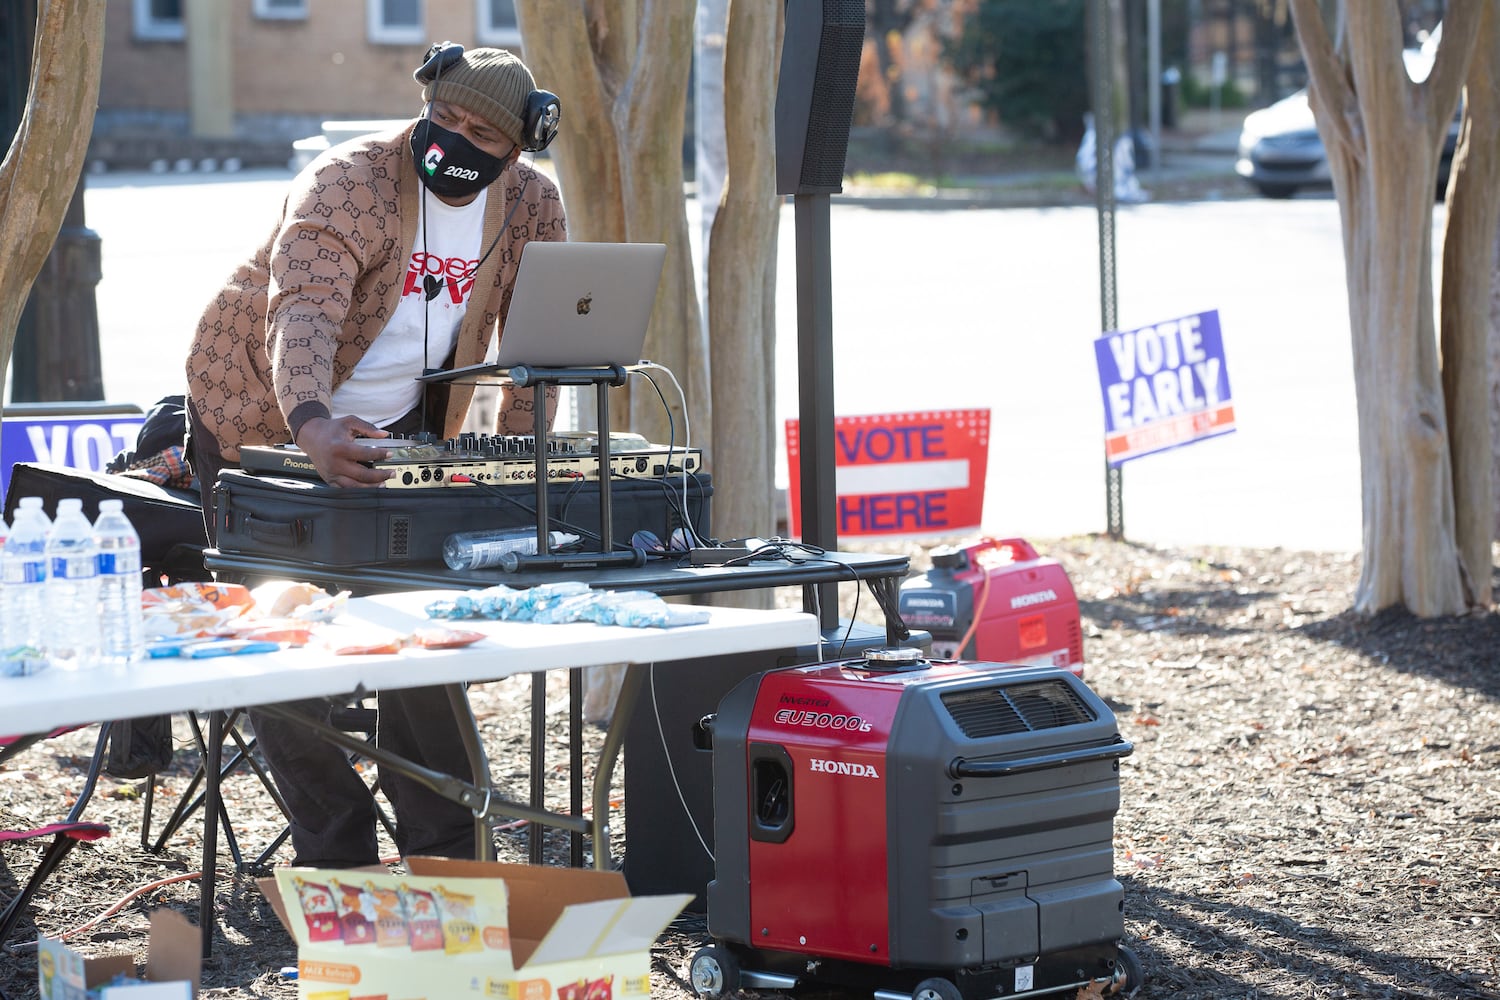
{"x": 56, "y": 698}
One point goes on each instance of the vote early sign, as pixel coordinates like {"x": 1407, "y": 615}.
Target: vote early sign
{"x": 1164, "y": 386}
{"x": 902, "y": 473}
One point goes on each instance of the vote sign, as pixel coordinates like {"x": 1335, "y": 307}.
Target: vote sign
{"x": 1164, "y": 386}
{"x": 79, "y": 442}
{"x": 902, "y": 473}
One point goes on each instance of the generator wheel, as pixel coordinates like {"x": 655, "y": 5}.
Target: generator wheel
{"x": 936, "y": 988}
{"x": 714, "y": 973}
{"x": 1132, "y": 974}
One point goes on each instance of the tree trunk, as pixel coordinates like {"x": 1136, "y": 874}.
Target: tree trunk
{"x": 621, "y": 69}
{"x": 42, "y": 166}
{"x": 1382, "y": 133}
{"x": 741, "y": 268}
{"x": 1468, "y": 269}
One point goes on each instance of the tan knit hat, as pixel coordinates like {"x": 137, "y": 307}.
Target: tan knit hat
{"x": 492, "y": 83}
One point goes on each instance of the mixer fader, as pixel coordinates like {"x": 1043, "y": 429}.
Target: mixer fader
{"x": 495, "y": 459}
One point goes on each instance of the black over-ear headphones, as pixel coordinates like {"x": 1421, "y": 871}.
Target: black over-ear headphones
{"x": 542, "y": 113}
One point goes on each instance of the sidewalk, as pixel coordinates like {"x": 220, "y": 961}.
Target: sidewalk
{"x": 1197, "y": 163}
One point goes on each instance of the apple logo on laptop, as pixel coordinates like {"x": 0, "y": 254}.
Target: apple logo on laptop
{"x": 584, "y": 304}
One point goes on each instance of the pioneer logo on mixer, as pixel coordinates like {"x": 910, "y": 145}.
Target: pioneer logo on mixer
{"x": 821, "y": 720}
{"x": 842, "y": 767}
{"x": 1027, "y": 600}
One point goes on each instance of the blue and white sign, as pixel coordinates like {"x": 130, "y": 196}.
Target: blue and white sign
{"x": 79, "y": 442}
{"x": 1164, "y": 386}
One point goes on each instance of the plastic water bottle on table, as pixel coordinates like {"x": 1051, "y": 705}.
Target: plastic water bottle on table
{"x": 72, "y": 589}
{"x": 121, "y": 626}
{"x": 23, "y": 566}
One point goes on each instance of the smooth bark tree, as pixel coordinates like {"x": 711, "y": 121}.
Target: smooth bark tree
{"x": 1464, "y": 307}
{"x": 621, "y": 68}
{"x": 46, "y": 155}
{"x": 741, "y": 269}
{"x": 1383, "y": 133}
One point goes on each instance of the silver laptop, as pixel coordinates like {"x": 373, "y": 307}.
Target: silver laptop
{"x": 577, "y": 305}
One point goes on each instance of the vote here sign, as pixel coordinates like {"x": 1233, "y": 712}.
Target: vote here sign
{"x": 1164, "y": 386}
{"x": 902, "y": 473}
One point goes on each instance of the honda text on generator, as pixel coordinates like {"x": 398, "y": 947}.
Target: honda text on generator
{"x": 935, "y": 830}
{"x": 997, "y": 600}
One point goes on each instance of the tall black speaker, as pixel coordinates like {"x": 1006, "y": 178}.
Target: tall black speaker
{"x": 815, "y": 93}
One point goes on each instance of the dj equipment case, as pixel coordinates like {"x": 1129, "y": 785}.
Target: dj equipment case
{"x": 312, "y": 522}
{"x": 169, "y": 521}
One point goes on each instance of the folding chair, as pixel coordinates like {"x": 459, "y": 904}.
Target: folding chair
{"x": 65, "y": 835}
{"x": 354, "y": 718}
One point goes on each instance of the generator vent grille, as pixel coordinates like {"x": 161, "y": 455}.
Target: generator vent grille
{"x": 1016, "y": 708}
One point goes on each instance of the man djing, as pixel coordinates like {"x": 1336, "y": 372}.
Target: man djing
{"x": 394, "y": 254}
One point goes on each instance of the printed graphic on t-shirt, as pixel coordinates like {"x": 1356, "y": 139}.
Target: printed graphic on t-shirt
{"x": 449, "y": 279}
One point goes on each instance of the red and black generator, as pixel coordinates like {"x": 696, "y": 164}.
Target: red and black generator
{"x": 999, "y": 601}
{"x": 927, "y": 829}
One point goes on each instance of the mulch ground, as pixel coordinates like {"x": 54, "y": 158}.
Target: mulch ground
{"x": 1312, "y": 808}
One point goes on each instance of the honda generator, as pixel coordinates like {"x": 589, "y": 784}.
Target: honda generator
{"x": 938, "y": 830}
{"x": 998, "y": 601}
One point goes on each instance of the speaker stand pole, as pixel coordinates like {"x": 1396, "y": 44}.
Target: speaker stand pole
{"x": 815, "y": 393}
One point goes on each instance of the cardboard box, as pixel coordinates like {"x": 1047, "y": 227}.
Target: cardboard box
{"x": 173, "y": 965}
{"x": 469, "y": 928}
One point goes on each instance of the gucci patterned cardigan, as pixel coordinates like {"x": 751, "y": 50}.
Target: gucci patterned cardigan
{"x": 292, "y": 322}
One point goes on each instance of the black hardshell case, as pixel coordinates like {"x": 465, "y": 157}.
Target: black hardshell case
{"x": 312, "y": 522}
{"x": 169, "y": 521}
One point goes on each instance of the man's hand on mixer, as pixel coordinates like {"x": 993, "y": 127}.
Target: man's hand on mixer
{"x": 334, "y": 447}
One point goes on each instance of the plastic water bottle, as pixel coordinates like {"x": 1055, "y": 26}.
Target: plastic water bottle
{"x": 72, "y": 589}
{"x": 481, "y": 549}
{"x": 122, "y": 633}
{"x": 23, "y": 564}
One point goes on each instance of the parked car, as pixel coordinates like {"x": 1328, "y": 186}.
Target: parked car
{"x": 1280, "y": 151}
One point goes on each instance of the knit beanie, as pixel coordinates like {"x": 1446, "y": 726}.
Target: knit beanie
{"x": 492, "y": 83}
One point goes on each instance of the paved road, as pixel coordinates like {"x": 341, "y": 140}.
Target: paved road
{"x": 936, "y": 309}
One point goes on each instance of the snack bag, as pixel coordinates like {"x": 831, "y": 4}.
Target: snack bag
{"x": 460, "y": 924}
{"x": 422, "y": 923}
{"x": 600, "y": 989}
{"x": 390, "y": 917}
{"x": 318, "y": 910}
{"x": 445, "y": 638}
{"x": 356, "y": 909}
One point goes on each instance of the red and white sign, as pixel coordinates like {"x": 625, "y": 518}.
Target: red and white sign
{"x": 902, "y": 473}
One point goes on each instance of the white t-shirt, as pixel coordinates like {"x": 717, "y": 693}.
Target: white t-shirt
{"x": 424, "y": 327}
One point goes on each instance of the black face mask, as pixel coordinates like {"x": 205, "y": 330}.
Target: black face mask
{"x": 450, "y": 165}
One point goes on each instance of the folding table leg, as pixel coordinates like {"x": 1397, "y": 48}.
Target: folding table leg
{"x": 212, "y": 752}
{"x": 537, "y": 835}
{"x": 575, "y": 762}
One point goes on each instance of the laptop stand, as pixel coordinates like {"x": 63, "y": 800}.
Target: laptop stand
{"x": 601, "y": 377}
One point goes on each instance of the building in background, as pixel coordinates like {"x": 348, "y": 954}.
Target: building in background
{"x": 196, "y": 80}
